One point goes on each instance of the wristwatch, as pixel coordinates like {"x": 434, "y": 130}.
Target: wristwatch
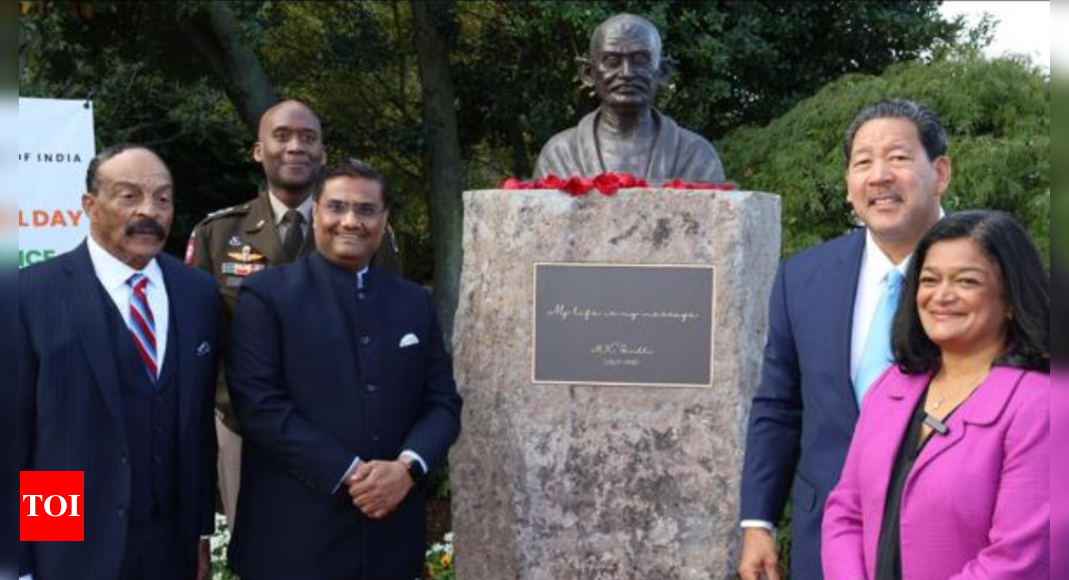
{"x": 415, "y": 471}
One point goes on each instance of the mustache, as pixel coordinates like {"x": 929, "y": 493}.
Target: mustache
{"x": 885, "y": 193}
{"x": 631, "y": 84}
{"x": 146, "y": 226}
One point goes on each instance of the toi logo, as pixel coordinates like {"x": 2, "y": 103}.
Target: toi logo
{"x": 52, "y": 504}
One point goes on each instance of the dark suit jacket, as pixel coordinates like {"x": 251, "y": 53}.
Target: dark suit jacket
{"x": 805, "y": 409}
{"x": 318, "y": 376}
{"x": 70, "y": 408}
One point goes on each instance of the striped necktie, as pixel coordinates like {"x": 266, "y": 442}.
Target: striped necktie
{"x": 143, "y": 324}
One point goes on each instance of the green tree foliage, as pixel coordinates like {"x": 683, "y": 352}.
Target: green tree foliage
{"x": 1061, "y": 209}
{"x": 158, "y": 74}
{"x": 997, "y": 114}
{"x": 90, "y": 53}
{"x": 738, "y": 63}
{"x": 355, "y": 64}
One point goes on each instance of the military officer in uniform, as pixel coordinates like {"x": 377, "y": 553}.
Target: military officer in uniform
{"x": 272, "y": 229}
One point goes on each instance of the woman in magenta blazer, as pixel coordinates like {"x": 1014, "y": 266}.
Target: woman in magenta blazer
{"x": 1059, "y": 416}
{"x": 948, "y": 474}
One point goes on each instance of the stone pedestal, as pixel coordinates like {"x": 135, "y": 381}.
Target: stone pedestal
{"x": 574, "y": 482}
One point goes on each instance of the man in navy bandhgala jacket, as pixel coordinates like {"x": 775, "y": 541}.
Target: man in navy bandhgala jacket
{"x": 340, "y": 379}
{"x": 117, "y": 364}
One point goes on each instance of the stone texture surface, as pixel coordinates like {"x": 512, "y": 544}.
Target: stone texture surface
{"x": 571, "y": 482}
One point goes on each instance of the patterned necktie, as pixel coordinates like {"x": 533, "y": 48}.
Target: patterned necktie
{"x": 294, "y": 239}
{"x": 876, "y": 356}
{"x": 143, "y": 324}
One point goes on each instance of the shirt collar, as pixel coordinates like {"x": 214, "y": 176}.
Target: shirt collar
{"x": 360, "y": 278}
{"x": 114, "y": 274}
{"x": 877, "y": 261}
{"x": 279, "y": 209}
{"x": 877, "y": 264}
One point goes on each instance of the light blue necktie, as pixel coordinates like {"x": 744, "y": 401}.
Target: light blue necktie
{"x": 876, "y": 356}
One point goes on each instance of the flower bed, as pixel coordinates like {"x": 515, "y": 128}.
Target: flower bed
{"x": 441, "y": 564}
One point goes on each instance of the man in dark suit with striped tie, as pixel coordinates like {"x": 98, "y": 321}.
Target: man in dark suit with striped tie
{"x": 117, "y": 368}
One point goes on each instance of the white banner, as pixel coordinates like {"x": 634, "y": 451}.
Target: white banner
{"x": 56, "y": 145}
{"x": 9, "y": 198}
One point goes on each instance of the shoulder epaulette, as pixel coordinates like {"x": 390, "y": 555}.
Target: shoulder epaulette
{"x": 236, "y": 210}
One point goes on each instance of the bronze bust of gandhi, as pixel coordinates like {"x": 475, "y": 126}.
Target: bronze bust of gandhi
{"x": 626, "y": 134}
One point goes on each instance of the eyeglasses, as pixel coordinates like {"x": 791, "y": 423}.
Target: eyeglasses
{"x": 365, "y": 212}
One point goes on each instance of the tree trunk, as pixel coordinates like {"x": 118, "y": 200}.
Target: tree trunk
{"x": 521, "y": 163}
{"x": 216, "y": 36}
{"x": 442, "y": 154}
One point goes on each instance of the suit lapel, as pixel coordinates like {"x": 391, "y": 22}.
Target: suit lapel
{"x": 184, "y": 314}
{"x": 260, "y": 232}
{"x": 981, "y": 409}
{"x": 848, "y": 265}
{"x": 895, "y": 407}
{"x": 91, "y": 325}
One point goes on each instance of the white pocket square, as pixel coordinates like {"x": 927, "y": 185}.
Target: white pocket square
{"x": 204, "y": 349}
{"x": 408, "y": 340}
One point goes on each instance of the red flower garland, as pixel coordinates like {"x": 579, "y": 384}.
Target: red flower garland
{"x": 606, "y": 184}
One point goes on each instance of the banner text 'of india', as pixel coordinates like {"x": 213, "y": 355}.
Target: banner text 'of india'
{"x": 56, "y": 144}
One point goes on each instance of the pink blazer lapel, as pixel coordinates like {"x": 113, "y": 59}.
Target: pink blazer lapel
{"x": 980, "y": 410}
{"x": 892, "y": 407}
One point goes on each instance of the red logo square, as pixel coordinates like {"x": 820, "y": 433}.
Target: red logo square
{"x": 52, "y": 506}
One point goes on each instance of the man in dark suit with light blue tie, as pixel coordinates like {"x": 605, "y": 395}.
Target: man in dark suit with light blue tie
{"x": 117, "y": 366}
{"x": 340, "y": 379}
{"x": 829, "y": 334}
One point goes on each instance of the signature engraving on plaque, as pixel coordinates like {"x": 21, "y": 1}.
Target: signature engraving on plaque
{"x": 616, "y": 354}
{"x": 619, "y": 348}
